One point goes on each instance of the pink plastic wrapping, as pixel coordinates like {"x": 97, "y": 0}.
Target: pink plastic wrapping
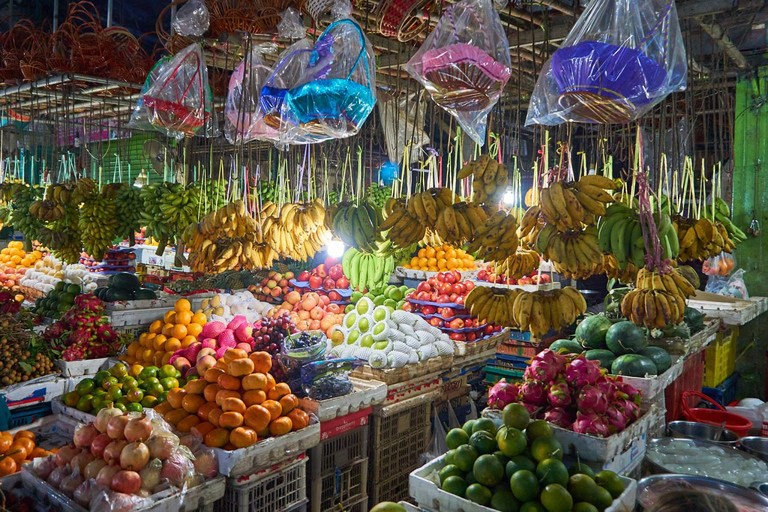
{"x": 192, "y": 19}
{"x": 179, "y": 102}
{"x": 242, "y": 112}
{"x": 619, "y": 60}
{"x": 337, "y": 91}
{"x": 464, "y": 64}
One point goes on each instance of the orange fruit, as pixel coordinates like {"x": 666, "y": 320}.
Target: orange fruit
{"x": 199, "y": 318}
{"x": 172, "y": 344}
{"x": 213, "y": 374}
{"x": 157, "y": 359}
{"x": 196, "y": 386}
{"x": 39, "y": 452}
{"x": 188, "y": 340}
{"x": 175, "y": 416}
{"x": 210, "y": 391}
{"x": 204, "y": 410}
{"x": 429, "y": 252}
{"x": 18, "y": 453}
{"x": 6, "y": 440}
{"x": 168, "y": 330}
{"x": 148, "y": 355}
{"x": 253, "y": 397}
{"x": 228, "y": 381}
{"x": 257, "y": 417}
{"x": 225, "y": 393}
{"x": 179, "y": 331}
{"x": 194, "y": 330}
{"x": 234, "y": 353}
{"x": 25, "y": 433}
{"x": 217, "y": 438}
{"x": 26, "y": 442}
{"x": 169, "y": 317}
{"x": 262, "y": 361}
{"x": 183, "y": 318}
{"x": 176, "y": 396}
{"x": 134, "y": 347}
{"x": 167, "y": 358}
{"x": 254, "y": 381}
{"x": 191, "y": 403}
{"x": 280, "y": 426}
{"x": 163, "y": 407}
{"x": 289, "y": 402}
{"x": 187, "y": 423}
{"x": 232, "y": 404}
{"x": 214, "y": 416}
{"x": 240, "y": 367}
{"x": 201, "y": 429}
{"x": 270, "y": 382}
{"x": 299, "y": 418}
{"x": 159, "y": 343}
{"x": 156, "y": 327}
{"x": 280, "y": 390}
{"x": 242, "y": 437}
{"x": 231, "y": 419}
{"x": 274, "y": 408}
{"x": 150, "y": 340}
{"x": 8, "y": 466}
{"x": 182, "y": 305}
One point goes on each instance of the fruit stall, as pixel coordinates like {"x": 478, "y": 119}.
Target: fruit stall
{"x": 384, "y": 256}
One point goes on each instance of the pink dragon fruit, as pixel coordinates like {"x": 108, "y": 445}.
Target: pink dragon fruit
{"x": 631, "y": 409}
{"x": 88, "y": 301}
{"x": 590, "y": 423}
{"x": 545, "y": 366}
{"x": 97, "y": 350}
{"x": 590, "y": 398}
{"x": 501, "y": 394}
{"x": 627, "y": 391}
{"x": 533, "y": 392}
{"x": 74, "y": 353}
{"x": 617, "y": 419}
{"x": 54, "y": 331}
{"x": 79, "y": 337}
{"x": 607, "y": 386}
{"x": 533, "y": 410}
{"x": 106, "y": 333}
{"x": 559, "y": 417}
{"x": 559, "y": 394}
{"x": 581, "y": 372}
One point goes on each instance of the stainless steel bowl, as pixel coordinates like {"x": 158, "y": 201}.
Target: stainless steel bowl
{"x": 650, "y": 488}
{"x": 761, "y": 487}
{"x": 757, "y": 446}
{"x": 702, "y": 432}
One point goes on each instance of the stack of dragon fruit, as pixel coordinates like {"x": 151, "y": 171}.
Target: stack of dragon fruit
{"x": 83, "y": 332}
{"x": 572, "y": 393}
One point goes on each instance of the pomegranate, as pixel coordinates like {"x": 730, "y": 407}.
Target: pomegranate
{"x": 116, "y": 427}
{"x": 45, "y": 467}
{"x": 79, "y": 461}
{"x": 99, "y": 444}
{"x": 138, "y": 429}
{"x": 176, "y": 468}
{"x": 85, "y": 434}
{"x": 134, "y": 456}
{"x": 128, "y": 482}
{"x": 150, "y": 475}
{"x": 70, "y": 483}
{"x": 206, "y": 464}
{"x": 104, "y": 477}
{"x": 57, "y": 475}
{"x": 92, "y": 468}
{"x": 106, "y": 414}
{"x": 161, "y": 447}
{"x": 84, "y": 493}
{"x": 65, "y": 454}
{"x": 113, "y": 450}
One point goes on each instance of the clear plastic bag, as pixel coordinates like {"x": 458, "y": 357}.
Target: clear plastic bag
{"x": 322, "y": 380}
{"x": 733, "y": 286}
{"x": 192, "y": 19}
{"x": 720, "y": 265}
{"x": 337, "y": 91}
{"x": 464, "y": 64}
{"x": 242, "y": 111}
{"x": 140, "y": 117}
{"x": 620, "y": 59}
{"x": 179, "y": 101}
{"x": 401, "y": 117}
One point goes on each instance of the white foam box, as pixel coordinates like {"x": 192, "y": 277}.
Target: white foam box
{"x": 36, "y": 391}
{"x": 366, "y": 394}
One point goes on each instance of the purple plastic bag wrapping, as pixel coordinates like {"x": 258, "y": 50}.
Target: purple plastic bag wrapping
{"x": 242, "y": 112}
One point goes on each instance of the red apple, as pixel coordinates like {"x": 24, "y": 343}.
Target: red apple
{"x": 303, "y": 276}
{"x": 458, "y": 336}
{"x": 334, "y": 295}
{"x": 447, "y": 312}
{"x": 459, "y": 301}
{"x": 488, "y": 329}
{"x": 469, "y": 322}
{"x": 496, "y": 328}
{"x": 449, "y": 277}
{"x": 545, "y": 278}
{"x": 469, "y": 286}
{"x": 453, "y": 297}
{"x": 335, "y": 272}
{"x": 446, "y": 289}
{"x": 423, "y": 296}
{"x": 434, "y": 296}
{"x": 315, "y": 281}
{"x": 277, "y": 292}
{"x": 456, "y": 276}
{"x": 342, "y": 283}
{"x": 320, "y": 270}
{"x": 443, "y": 299}
{"x": 458, "y": 288}
{"x": 429, "y": 310}
{"x": 482, "y": 275}
{"x": 330, "y": 261}
{"x": 456, "y": 323}
{"x": 524, "y": 281}
{"x": 423, "y": 287}
{"x": 433, "y": 281}
{"x": 288, "y": 275}
{"x": 435, "y": 322}
{"x": 471, "y": 336}
{"x": 408, "y": 307}
{"x": 329, "y": 283}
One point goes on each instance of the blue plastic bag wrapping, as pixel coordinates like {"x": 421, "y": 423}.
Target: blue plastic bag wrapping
{"x": 464, "y": 64}
{"x": 242, "y": 111}
{"x": 337, "y": 91}
{"x": 619, "y": 60}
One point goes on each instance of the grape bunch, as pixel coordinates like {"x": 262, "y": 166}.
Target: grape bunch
{"x": 377, "y": 194}
{"x": 269, "y": 338}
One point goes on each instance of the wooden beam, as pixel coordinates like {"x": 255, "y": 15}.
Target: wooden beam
{"x": 723, "y": 41}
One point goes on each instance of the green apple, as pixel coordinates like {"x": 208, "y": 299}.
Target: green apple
{"x": 380, "y": 314}
{"x": 379, "y": 328}
{"x": 366, "y": 341}
{"x": 364, "y": 305}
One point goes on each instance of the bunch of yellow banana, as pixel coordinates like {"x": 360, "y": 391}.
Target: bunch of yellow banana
{"x": 493, "y": 305}
{"x": 460, "y": 222}
{"x": 402, "y": 228}
{"x": 427, "y": 206}
{"x": 574, "y": 254}
{"x": 518, "y": 264}
{"x": 702, "y": 239}
{"x": 673, "y": 282}
{"x": 612, "y": 270}
{"x": 568, "y": 206}
{"x": 98, "y": 222}
{"x": 83, "y": 188}
{"x": 47, "y": 211}
{"x": 490, "y": 179}
{"x": 497, "y": 238}
{"x": 59, "y": 193}
{"x": 658, "y": 299}
{"x": 298, "y": 231}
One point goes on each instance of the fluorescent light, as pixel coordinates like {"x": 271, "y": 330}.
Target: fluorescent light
{"x": 509, "y": 198}
{"x": 335, "y": 248}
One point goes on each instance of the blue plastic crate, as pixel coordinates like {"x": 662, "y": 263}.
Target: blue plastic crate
{"x": 461, "y": 414}
{"x": 725, "y": 393}
{"x": 27, "y": 415}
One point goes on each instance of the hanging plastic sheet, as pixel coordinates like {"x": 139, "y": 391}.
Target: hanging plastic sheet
{"x": 402, "y": 119}
{"x": 619, "y": 60}
{"x": 338, "y": 89}
{"x": 242, "y": 111}
{"x": 179, "y": 102}
{"x": 193, "y": 19}
{"x": 140, "y": 117}
{"x": 464, "y": 64}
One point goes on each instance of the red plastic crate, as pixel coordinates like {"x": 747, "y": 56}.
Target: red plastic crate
{"x": 344, "y": 424}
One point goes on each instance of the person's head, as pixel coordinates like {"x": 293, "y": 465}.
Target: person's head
{"x": 692, "y": 501}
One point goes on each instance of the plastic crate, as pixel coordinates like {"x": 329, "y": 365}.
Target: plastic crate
{"x": 721, "y": 357}
{"x": 690, "y": 379}
{"x": 517, "y": 348}
{"x": 281, "y": 487}
{"x": 343, "y": 487}
{"x": 339, "y": 451}
{"x": 725, "y": 393}
{"x": 26, "y": 415}
{"x": 494, "y": 374}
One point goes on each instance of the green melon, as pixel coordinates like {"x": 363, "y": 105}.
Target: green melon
{"x": 145, "y": 294}
{"x": 633, "y": 365}
{"x": 125, "y": 281}
{"x": 625, "y": 338}
{"x": 566, "y": 346}
{"x": 592, "y": 330}
{"x": 604, "y": 357}
{"x": 659, "y": 356}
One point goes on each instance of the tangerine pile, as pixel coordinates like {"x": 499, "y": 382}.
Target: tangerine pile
{"x": 235, "y": 404}
{"x": 178, "y": 329}
{"x": 441, "y": 258}
{"x": 14, "y": 256}
{"x": 16, "y": 449}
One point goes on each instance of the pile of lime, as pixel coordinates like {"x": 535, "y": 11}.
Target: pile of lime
{"x": 519, "y": 468}
{"x": 127, "y": 388}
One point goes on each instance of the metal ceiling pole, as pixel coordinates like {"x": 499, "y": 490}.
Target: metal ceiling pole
{"x": 55, "y": 15}
{"x": 109, "y": 13}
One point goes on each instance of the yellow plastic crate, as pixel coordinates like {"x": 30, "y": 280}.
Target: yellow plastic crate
{"x": 721, "y": 357}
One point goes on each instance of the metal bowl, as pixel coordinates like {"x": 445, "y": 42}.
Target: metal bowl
{"x": 757, "y": 446}
{"x": 656, "y": 485}
{"x": 702, "y": 432}
{"x": 761, "y": 487}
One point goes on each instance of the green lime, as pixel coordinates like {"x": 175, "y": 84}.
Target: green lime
{"x": 123, "y": 400}
{"x": 349, "y": 308}
{"x": 379, "y": 301}
{"x": 483, "y": 442}
{"x": 169, "y": 383}
{"x": 167, "y": 371}
{"x": 120, "y": 406}
{"x": 583, "y": 506}
{"x": 134, "y": 395}
{"x": 119, "y": 370}
{"x": 97, "y": 402}
{"x": 449, "y": 470}
{"x": 484, "y": 424}
{"x": 478, "y": 493}
{"x": 456, "y": 437}
{"x": 546, "y": 448}
{"x": 470, "y": 478}
{"x": 504, "y": 501}
{"x": 149, "y": 401}
{"x": 611, "y": 482}
{"x": 467, "y": 427}
{"x": 488, "y": 470}
{"x": 524, "y": 485}
{"x": 511, "y": 441}
{"x": 85, "y": 386}
{"x": 552, "y": 471}
{"x": 502, "y": 458}
{"x": 100, "y": 376}
{"x": 109, "y": 382}
{"x": 71, "y": 398}
{"x": 134, "y": 407}
{"x": 450, "y": 457}
{"x": 149, "y": 382}
{"x": 129, "y": 382}
{"x": 519, "y": 463}
{"x": 555, "y": 498}
{"x": 148, "y": 372}
{"x": 162, "y": 396}
{"x": 465, "y": 457}
{"x": 582, "y": 487}
{"x": 532, "y": 506}
{"x": 99, "y": 392}
{"x": 516, "y": 415}
{"x": 183, "y": 382}
{"x": 155, "y": 389}
{"x": 114, "y": 394}
{"x": 580, "y": 467}
{"x": 602, "y": 499}
{"x": 537, "y": 429}
{"x": 455, "y": 485}
{"x": 84, "y": 404}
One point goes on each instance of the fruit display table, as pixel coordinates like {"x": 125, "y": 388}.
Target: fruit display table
{"x": 728, "y": 309}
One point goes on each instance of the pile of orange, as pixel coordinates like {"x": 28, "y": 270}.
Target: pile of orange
{"x": 235, "y": 403}
{"x": 16, "y": 449}
{"x": 441, "y": 258}
{"x": 178, "y": 329}
{"x": 14, "y": 256}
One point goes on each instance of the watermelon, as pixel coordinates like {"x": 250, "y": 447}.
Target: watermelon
{"x": 633, "y": 365}
{"x": 659, "y": 356}
{"x": 604, "y": 357}
{"x": 625, "y": 338}
{"x": 125, "y": 281}
{"x": 566, "y": 346}
{"x": 117, "y": 294}
{"x": 144, "y": 294}
{"x": 592, "y": 330}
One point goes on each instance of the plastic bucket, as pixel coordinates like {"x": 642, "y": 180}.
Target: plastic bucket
{"x": 718, "y": 416}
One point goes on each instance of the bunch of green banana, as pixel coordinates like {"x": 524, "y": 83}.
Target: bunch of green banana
{"x": 168, "y": 209}
{"x": 621, "y": 234}
{"x": 366, "y": 271}
{"x": 356, "y": 225}
{"x": 22, "y": 196}
{"x": 128, "y": 204}
{"x": 98, "y": 223}
{"x": 490, "y": 179}
{"x": 46, "y": 211}
{"x": 377, "y": 194}
{"x": 722, "y": 213}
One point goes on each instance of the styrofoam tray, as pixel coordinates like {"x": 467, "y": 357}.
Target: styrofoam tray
{"x": 162, "y": 300}
{"x": 85, "y": 367}
{"x": 366, "y": 394}
{"x": 602, "y": 449}
{"x": 652, "y": 386}
{"x": 35, "y": 391}
{"x": 525, "y": 287}
{"x": 52, "y": 431}
{"x": 137, "y": 316}
{"x": 245, "y": 461}
{"x": 58, "y": 407}
{"x": 422, "y": 488}
{"x": 422, "y": 275}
